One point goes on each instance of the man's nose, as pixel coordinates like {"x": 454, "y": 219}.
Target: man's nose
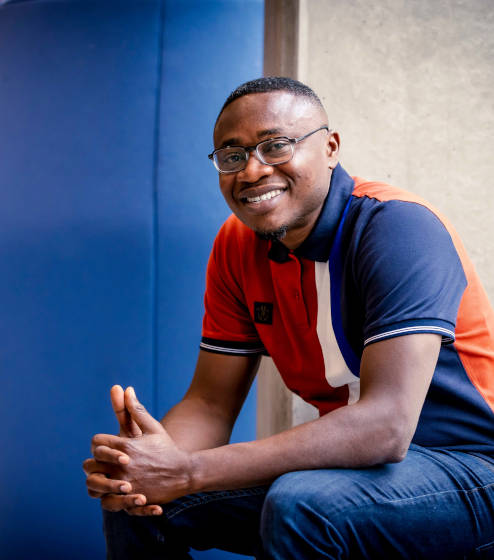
{"x": 254, "y": 169}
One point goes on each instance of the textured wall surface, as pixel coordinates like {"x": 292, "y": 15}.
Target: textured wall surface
{"x": 409, "y": 85}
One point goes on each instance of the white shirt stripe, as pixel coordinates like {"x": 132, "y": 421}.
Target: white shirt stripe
{"x": 337, "y": 372}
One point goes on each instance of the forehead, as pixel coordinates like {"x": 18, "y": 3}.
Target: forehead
{"x": 259, "y": 115}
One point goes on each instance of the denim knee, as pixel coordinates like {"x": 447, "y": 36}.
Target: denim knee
{"x": 293, "y": 525}
{"x": 392, "y": 511}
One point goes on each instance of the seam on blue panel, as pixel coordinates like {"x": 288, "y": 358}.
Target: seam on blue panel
{"x": 155, "y": 251}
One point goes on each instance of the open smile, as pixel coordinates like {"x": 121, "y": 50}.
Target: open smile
{"x": 258, "y": 198}
{"x": 267, "y": 196}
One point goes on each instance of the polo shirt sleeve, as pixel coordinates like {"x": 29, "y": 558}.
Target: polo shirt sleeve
{"x": 227, "y": 325}
{"x": 408, "y": 272}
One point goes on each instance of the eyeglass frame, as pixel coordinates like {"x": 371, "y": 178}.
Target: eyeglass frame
{"x": 249, "y": 149}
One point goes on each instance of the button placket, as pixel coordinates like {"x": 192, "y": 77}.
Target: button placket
{"x": 287, "y": 280}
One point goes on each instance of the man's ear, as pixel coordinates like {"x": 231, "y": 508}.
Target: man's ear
{"x": 333, "y": 149}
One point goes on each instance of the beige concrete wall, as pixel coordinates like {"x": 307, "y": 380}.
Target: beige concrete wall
{"x": 409, "y": 85}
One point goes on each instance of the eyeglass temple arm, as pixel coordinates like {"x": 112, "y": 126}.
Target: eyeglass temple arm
{"x": 297, "y": 140}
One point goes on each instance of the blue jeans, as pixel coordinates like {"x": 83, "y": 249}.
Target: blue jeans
{"x": 435, "y": 504}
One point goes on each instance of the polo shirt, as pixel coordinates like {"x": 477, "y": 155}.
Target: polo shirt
{"x": 379, "y": 263}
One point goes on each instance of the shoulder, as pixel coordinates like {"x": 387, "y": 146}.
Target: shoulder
{"x": 383, "y": 196}
{"x": 395, "y": 235}
{"x": 404, "y": 263}
{"x": 381, "y": 211}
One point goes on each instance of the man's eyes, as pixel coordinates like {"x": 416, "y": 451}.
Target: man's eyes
{"x": 277, "y": 146}
{"x": 272, "y": 148}
{"x": 233, "y": 157}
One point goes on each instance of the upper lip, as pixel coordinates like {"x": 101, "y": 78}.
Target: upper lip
{"x": 259, "y": 190}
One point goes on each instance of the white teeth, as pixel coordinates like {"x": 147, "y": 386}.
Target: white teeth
{"x": 267, "y": 196}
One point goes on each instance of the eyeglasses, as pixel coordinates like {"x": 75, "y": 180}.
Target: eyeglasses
{"x": 273, "y": 151}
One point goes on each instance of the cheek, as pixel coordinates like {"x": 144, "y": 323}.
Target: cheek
{"x": 312, "y": 185}
{"x": 305, "y": 169}
{"x": 304, "y": 181}
{"x": 314, "y": 176}
{"x": 226, "y": 186}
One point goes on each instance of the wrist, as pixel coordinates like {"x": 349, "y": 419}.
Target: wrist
{"x": 170, "y": 482}
{"x": 196, "y": 472}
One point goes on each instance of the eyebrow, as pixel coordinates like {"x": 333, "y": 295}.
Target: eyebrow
{"x": 270, "y": 132}
{"x": 229, "y": 142}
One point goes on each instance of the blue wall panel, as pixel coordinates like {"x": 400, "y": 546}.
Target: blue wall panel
{"x": 102, "y": 250}
{"x": 210, "y": 47}
{"x": 78, "y": 85}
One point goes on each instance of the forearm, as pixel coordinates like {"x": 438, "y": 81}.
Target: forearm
{"x": 195, "y": 424}
{"x": 395, "y": 375}
{"x": 348, "y": 437}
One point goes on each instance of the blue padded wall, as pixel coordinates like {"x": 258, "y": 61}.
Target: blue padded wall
{"x": 205, "y": 57}
{"x": 108, "y": 208}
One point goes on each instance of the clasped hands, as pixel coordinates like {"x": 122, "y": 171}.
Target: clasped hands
{"x": 140, "y": 468}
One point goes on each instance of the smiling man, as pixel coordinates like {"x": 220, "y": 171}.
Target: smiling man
{"x": 275, "y": 202}
{"x": 364, "y": 298}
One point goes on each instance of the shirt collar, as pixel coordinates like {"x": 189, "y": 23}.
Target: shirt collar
{"x": 317, "y": 246}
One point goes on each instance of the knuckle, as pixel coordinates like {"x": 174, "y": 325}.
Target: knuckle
{"x": 115, "y": 485}
{"x": 124, "y": 446}
{"x": 91, "y": 482}
{"x": 99, "y": 452}
{"x": 140, "y": 408}
{"x": 98, "y": 479}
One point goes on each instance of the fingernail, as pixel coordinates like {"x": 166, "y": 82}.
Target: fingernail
{"x": 124, "y": 488}
{"x": 139, "y": 502}
{"x": 123, "y": 459}
{"x": 156, "y": 512}
{"x": 132, "y": 393}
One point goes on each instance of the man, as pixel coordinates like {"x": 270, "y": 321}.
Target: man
{"x": 365, "y": 300}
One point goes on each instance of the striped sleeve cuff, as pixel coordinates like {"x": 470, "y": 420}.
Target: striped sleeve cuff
{"x": 233, "y": 348}
{"x": 446, "y": 330}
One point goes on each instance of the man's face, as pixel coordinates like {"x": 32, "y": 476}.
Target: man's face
{"x": 297, "y": 188}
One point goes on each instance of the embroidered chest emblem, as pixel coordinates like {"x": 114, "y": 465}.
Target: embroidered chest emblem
{"x": 263, "y": 312}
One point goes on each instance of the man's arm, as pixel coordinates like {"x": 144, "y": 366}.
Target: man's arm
{"x": 204, "y": 418}
{"x": 395, "y": 377}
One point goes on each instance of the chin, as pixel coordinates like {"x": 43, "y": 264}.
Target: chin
{"x": 274, "y": 234}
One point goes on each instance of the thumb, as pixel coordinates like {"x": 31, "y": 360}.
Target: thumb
{"x": 140, "y": 415}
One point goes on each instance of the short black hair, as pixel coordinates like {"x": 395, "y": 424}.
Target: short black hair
{"x": 272, "y": 83}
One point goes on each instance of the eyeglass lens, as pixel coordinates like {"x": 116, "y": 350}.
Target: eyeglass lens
{"x": 273, "y": 151}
